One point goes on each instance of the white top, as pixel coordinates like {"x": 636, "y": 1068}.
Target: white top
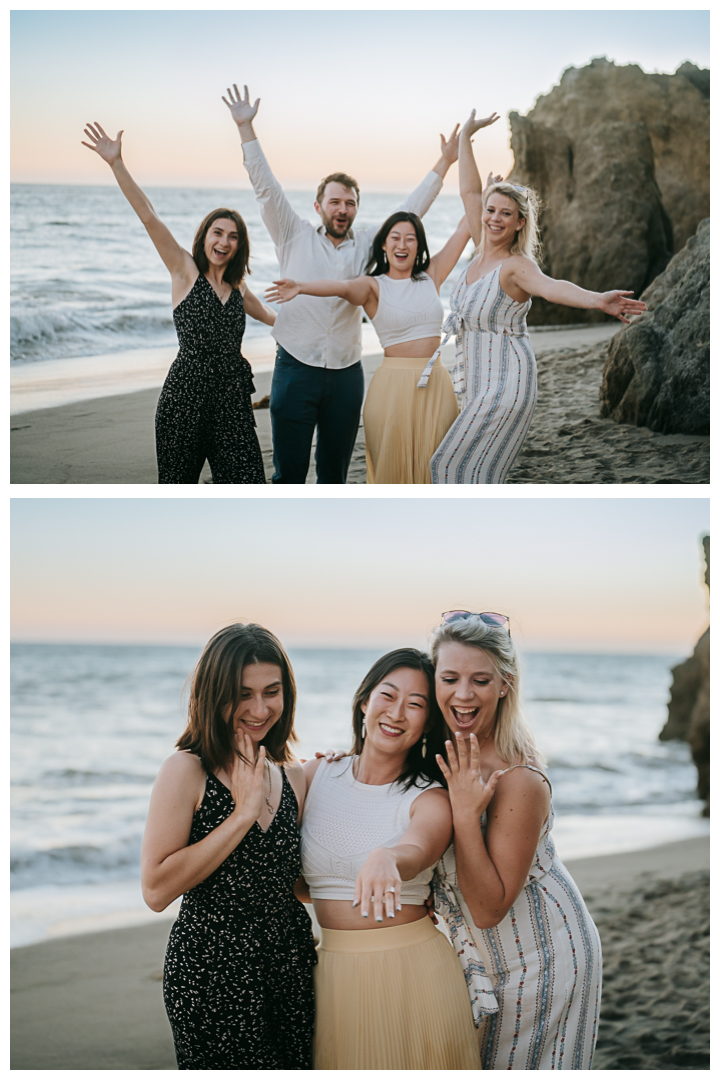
{"x": 407, "y": 310}
{"x": 318, "y": 331}
{"x": 344, "y": 820}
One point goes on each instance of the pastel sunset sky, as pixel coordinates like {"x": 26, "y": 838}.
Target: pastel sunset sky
{"x": 363, "y": 91}
{"x": 574, "y": 574}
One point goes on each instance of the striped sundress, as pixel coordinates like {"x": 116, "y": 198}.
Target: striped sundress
{"x": 534, "y": 979}
{"x": 495, "y": 379}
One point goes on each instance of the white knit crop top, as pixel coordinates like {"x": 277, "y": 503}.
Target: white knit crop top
{"x": 407, "y": 310}
{"x": 343, "y": 821}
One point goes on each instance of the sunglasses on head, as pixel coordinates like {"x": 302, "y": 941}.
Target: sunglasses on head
{"x": 492, "y": 618}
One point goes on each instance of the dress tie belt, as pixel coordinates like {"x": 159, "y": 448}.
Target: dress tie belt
{"x": 452, "y": 325}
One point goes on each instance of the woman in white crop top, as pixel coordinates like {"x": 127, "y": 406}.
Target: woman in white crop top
{"x": 404, "y": 422}
{"x": 390, "y": 993}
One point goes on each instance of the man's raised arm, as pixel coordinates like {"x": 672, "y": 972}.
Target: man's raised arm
{"x": 421, "y": 199}
{"x": 280, "y": 219}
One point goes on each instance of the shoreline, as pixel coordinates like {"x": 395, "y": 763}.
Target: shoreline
{"x": 95, "y": 1001}
{"x": 45, "y": 913}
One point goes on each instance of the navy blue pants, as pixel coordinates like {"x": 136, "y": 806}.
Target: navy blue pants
{"x": 303, "y": 398}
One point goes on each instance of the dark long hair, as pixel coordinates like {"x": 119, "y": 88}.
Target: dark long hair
{"x": 378, "y": 261}
{"x": 238, "y": 266}
{"x": 217, "y": 683}
{"x": 418, "y": 770}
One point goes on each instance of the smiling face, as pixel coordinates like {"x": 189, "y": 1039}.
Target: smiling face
{"x": 401, "y": 248}
{"x": 397, "y": 711}
{"x": 221, "y": 242}
{"x": 468, "y": 688}
{"x": 261, "y": 701}
{"x": 338, "y": 209}
{"x": 501, "y": 219}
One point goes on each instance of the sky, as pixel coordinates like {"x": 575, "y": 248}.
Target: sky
{"x": 574, "y": 574}
{"x": 366, "y": 92}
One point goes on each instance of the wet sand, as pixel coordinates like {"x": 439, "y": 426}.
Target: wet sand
{"x": 95, "y": 1001}
{"x": 110, "y": 440}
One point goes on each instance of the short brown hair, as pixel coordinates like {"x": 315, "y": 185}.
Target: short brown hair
{"x": 338, "y": 178}
{"x": 238, "y": 266}
{"x": 217, "y": 683}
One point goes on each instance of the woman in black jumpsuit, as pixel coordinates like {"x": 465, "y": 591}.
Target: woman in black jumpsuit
{"x": 223, "y": 829}
{"x": 205, "y": 409}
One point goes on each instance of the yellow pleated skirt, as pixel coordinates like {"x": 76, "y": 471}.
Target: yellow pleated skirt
{"x": 403, "y": 425}
{"x": 392, "y": 999}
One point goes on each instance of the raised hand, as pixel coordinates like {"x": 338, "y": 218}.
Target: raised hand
{"x": 378, "y": 885}
{"x": 449, "y": 148}
{"x": 618, "y": 303}
{"x": 493, "y": 180}
{"x": 110, "y": 150}
{"x": 472, "y": 125}
{"x": 281, "y": 291}
{"x": 246, "y": 778}
{"x": 240, "y": 108}
{"x": 466, "y": 787}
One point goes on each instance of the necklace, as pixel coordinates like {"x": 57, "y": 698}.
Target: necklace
{"x": 267, "y": 797}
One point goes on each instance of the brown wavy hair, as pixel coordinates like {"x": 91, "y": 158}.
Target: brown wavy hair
{"x": 239, "y": 265}
{"x": 417, "y": 770}
{"x": 217, "y": 682}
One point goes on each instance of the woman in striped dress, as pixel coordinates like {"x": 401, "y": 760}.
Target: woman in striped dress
{"x": 528, "y": 946}
{"x": 494, "y": 374}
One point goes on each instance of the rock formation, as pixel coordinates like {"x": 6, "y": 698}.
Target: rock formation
{"x": 657, "y": 373}
{"x": 689, "y": 706}
{"x": 621, "y": 160}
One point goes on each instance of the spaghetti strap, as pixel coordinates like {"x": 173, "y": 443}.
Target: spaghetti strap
{"x": 534, "y": 769}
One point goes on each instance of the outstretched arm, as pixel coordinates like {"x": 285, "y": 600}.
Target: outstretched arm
{"x": 280, "y": 219}
{"x": 470, "y": 182}
{"x": 444, "y": 262}
{"x": 378, "y": 885}
{"x": 178, "y": 261}
{"x": 357, "y": 291}
{"x": 256, "y": 309}
{"x": 526, "y": 275}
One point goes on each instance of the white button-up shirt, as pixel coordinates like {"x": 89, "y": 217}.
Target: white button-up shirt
{"x": 321, "y": 331}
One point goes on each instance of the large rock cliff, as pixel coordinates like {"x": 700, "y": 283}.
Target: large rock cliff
{"x": 620, "y": 159}
{"x": 657, "y": 372}
{"x": 689, "y": 706}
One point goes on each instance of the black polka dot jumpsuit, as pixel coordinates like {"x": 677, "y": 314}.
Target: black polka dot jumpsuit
{"x": 238, "y": 982}
{"x": 205, "y": 408}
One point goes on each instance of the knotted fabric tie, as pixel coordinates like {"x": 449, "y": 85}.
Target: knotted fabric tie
{"x": 452, "y": 325}
{"x": 480, "y": 987}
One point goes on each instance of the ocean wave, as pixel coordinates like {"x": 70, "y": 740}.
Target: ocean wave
{"x": 79, "y": 864}
{"x": 56, "y": 334}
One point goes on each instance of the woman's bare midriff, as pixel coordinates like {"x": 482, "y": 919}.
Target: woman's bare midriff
{"x": 420, "y": 348}
{"x": 341, "y": 915}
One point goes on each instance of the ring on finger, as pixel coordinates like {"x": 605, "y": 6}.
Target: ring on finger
{"x": 391, "y": 889}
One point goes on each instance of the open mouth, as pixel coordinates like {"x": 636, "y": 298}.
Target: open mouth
{"x": 464, "y": 718}
{"x": 254, "y": 725}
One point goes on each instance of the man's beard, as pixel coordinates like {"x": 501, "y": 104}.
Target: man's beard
{"x": 332, "y": 230}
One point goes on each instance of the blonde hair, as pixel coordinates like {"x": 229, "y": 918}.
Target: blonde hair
{"x": 514, "y": 740}
{"x": 527, "y": 239}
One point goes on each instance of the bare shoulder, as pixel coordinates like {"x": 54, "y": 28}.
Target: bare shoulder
{"x": 522, "y": 785}
{"x": 182, "y": 765}
{"x": 309, "y": 769}
{"x": 433, "y": 799}
{"x": 295, "y": 773}
{"x": 182, "y": 774}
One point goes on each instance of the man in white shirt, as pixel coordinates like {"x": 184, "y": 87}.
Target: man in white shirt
{"x": 318, "y": 377}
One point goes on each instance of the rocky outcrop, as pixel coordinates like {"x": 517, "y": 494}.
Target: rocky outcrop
{"x": 620, "y": 159}
{"x": 657, "y": 372}
{"x": 689, "y": 706}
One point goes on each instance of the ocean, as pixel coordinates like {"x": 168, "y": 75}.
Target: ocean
{"x": 92, "y": 723}
{"x": 86, "y": 281}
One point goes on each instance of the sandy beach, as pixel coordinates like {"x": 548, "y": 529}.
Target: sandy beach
{"x": 110, "y": 440}
{"x": 95, "y": 1001}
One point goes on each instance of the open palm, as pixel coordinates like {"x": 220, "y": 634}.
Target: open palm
{"x": 240, "y": 108}
{"x": 108, "y": 149}
{"x": 472, "y": 125}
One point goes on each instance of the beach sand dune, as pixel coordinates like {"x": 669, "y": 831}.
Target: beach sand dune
{"x": 95, "y": 1001}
